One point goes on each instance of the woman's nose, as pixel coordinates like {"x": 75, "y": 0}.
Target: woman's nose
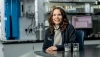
{"x": 56, "y": 16}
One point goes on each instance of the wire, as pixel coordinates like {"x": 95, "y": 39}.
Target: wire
{"x": 31, "y": 28}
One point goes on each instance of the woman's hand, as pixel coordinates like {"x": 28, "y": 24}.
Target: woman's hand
{"x": 52, "y": 48}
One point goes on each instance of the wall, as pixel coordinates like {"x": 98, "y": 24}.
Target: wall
{"x": 0, "y": 24}
{"x": 41, "y": 11}
{"x": 25, "y": 22}
{"x": 2, "y": 19}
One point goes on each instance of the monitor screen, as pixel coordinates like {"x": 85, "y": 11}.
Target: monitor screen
{"x": 82, "y": 21}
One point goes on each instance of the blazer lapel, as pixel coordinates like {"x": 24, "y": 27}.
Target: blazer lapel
{"x": 62, "y": 37}
{"x": 52, "y": 37}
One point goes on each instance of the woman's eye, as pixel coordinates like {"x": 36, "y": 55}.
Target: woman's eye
{"x": 54, "y": 15}
{"x": 59, "y": 14}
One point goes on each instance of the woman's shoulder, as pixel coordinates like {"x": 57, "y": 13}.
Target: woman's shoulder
{"x": 70, "y": 26}
{"x": 47, "y": 30}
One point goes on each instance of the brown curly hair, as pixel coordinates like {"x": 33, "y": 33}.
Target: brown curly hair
{"x": 63, "y": 24}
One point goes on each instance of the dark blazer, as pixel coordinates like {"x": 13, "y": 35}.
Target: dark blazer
{"x": 68, "y": 36}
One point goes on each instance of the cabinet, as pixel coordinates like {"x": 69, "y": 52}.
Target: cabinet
{"x": 1, "y": 50}
{"x": 12, "y": 14}
{"x": 17, "y": 50}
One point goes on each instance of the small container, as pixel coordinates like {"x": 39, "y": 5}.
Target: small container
{"x": 75, "y": 46}
{"x": 67, "y": 46}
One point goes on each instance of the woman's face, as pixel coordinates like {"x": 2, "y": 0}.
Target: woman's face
{"x": 57, "y": 17}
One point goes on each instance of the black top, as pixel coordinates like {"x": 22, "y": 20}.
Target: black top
{"x": 68, "y": 36}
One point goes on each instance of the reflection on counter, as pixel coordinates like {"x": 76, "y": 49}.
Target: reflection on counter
{"x": 60, "y": 54}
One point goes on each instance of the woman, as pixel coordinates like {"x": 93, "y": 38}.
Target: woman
{"x": 59, "y": 31}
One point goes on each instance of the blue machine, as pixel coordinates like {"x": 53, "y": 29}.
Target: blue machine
{"x": 12, "y": 13}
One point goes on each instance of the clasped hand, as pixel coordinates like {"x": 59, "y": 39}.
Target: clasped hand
{"x": 52, "y": 48}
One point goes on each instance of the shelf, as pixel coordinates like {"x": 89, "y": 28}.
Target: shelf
{"x": 81, "y": 13}
{"x": 68, "y": 2}
{"x": 77, "y": 6}
{"x": 97, "y": 13}
{"x": 91, "y": 38}
{"x": 98, "y": 3}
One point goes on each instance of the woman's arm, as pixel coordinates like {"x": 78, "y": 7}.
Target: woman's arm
{"x": 46, "y": 43}
{"x": 71, "y": 34}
